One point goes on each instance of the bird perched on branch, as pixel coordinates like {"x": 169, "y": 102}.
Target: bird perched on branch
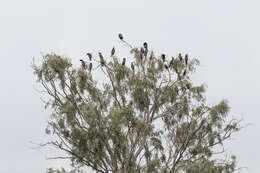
{"x": 120, "y": 36}
{"x": 186, "y": 59}
{"x": 145, "y": 49}
{"x": 180, "y": 57}
{"x": 83, "y": 64}
{"x": 90, "y": 67}
{"x": 89, "y": 56}
{"x": 124, "y": 60}
{"x": 145, "y": 45}
{"x": 102, "y": 61}
{"x": 184, "y": 73}
{"x": 113, "y": 51}
{"x": 163, "y": 57}
{"x": 132, "y": 66}
{"x": 171, "y": 62}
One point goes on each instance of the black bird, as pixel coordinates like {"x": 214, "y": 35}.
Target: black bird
{"x": 163, "y": 57}
{"x": 184, "y": 73}
{"x": 132, "y": 66}
{"x": 186, "y": 59}
{"x": 171, "y": 62}
{"x": 180, "y": 57}
{"x": 124, "y": 59}
{"x": 102, "y": 61}
{"x": 89, "y": 56}
{"x": 83, "y": 63}
{"x": 188, "y": 86}
{"x": 145, "y": 45}
{"x": 90, "y": 67}
{"x": 120, "y": 36}
{"x": 113, "y": 51}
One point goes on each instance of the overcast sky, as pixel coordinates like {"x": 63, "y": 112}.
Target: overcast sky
{"x": 223, "y": 35}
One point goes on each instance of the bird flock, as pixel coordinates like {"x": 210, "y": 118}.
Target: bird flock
{"x": 143, "y": 53}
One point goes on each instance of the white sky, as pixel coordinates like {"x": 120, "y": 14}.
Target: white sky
{"x": 223, "y": 35}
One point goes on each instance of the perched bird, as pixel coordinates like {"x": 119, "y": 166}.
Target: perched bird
{"x": 124, "y": 59}
{"x": 113, "y": 51}
{"x": 120, "y": 36}
{"x": 89, "y": 56}
{"x": 102, "y": 61}
{"x": 186, "y": 59}
{"x": 132, "y": 66}
{"x": 188, "y": 86}
{"x": 90, "y": 67}
{"x": 142, "y": 52}
{"x": 171, "y": 62}
{"x": 184, "y": 73}
{"x": 83, "y": 64}
{"x": 180, "y": 57}
{"x": 163, "y": 57}
{"x": 145, "y": 45}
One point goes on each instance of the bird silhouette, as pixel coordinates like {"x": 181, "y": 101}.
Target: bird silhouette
{"x": 124, "y": 60}
{"x": 180, "y": 57}
{"x": 184, "y": 73}
{"x": 145, "y": 45}
{"x": 102, "y": 61}
{"x": 113, "y": 51}
{"x": 186, "y": 59}
{"x": 163, "y": 57}
{"x": 171, "y": 62}
{"x": 120, "y": 36}
{"x": 90, "y": 67}
{"x": 132, "y": 66}
{"x": 83, "y": 64}
{"x": 89, "y": 56}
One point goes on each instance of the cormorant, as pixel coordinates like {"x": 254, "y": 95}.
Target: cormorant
{"x": 145, "y": 45}
{"x": 90, "y": 67}
{"x": 102, "y": 61}
{"x": 132, "y": 66}
{"x": 83, "y": 63}
{"x": 124, "y": 59}
{"x": 163, "y": 57}
{"x": 171, "y": 62}
{"x": 186, "y": 59}
{"x": 89, "y": 56}
{"x": 113, "y": 51}
{"x": 184, "y": 73}
{"x": 180, "y": 57}
{"x": 120, "y": 36}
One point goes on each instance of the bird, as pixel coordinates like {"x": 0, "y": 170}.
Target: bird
{"x": 188, "y": 86}
{"x": 180, "y": 57}
{"x": 186, "y": 59}
{"x": 124, "y": 59}
{"x": 120, "y": 36}
{"x": 145, "y": 45}
{"x": 184, "y": 73}
{"x": 89, "y": 56}
{"x": 132, "y": 66}
{"x": 113, "y": 51}
{"x": 163, "y": 57}
{"x": 102, "y": 61}
{"x": 171, "y": 62}
{"x": 83, "y": 63}
{"x": 90, "y": 67}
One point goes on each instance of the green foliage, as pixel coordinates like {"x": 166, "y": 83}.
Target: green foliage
{"x": 148, "y": 119}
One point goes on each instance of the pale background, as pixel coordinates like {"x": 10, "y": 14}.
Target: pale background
{"x": 223, "y": 35}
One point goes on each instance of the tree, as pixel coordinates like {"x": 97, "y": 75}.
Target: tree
{"x": 143, "y": 117}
